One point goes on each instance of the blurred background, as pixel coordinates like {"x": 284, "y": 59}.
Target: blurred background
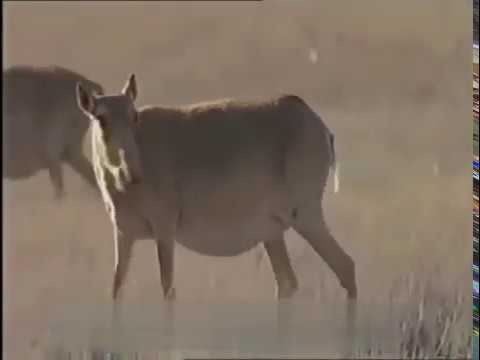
{"x": 392, "y": 80}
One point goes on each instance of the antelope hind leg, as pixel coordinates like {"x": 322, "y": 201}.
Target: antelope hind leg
{"x": 285, "y": 277}
{"x": 311, "y": 225}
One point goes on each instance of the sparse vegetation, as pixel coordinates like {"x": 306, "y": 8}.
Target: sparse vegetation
{"x": 428, "y": 327}
{"x": 389, "y": 80}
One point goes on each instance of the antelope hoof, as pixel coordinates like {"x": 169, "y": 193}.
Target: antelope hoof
{"x": 170, "y": 295}
{"x": 352, "y": 293}
{"x": 286, "y": 293}
{"x": 59, "y": 194}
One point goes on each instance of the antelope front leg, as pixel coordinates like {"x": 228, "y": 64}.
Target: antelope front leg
{"x": 123, "y": 251}
{"x": 163, "y": 221}
{"x": 165, "y": 252}
{"x": 285, "y": 277}
{"x": 56, "y": 178}
{"x": 54, "y": 154}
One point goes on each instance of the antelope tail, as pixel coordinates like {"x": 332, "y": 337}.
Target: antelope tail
{"x": 333, "y": 164}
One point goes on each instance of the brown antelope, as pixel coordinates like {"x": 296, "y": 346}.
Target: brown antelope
{"x": 43, "y": 126}
{"x": 217, "y": 177}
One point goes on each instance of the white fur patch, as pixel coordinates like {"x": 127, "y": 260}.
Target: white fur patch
{"x": 336, "y": 178}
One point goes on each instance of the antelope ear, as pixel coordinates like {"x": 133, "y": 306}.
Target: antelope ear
{"x": 85, "y": 101}
{"x": 130, "y": 88}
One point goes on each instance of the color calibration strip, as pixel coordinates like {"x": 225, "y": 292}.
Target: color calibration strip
{"x": 475, "y": 201}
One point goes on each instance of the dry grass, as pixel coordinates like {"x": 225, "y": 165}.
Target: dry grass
{"x": 444, "y": 338}
{"x": 392, "y": 81}
{"x": 441, "y": 337}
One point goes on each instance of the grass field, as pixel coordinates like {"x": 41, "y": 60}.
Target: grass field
{"x": 391, "y": 81}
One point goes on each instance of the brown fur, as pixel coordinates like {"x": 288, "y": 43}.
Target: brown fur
{"x": 217, "y": 177}
{"x": 42, "y": 125}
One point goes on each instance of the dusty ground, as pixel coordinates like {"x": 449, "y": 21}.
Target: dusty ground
{"x": 391, "y": 79}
